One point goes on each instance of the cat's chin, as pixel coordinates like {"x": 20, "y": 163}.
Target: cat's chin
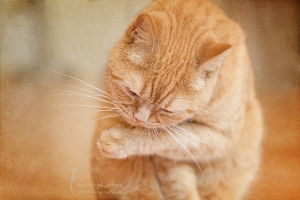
{"x": 144, "y": 124}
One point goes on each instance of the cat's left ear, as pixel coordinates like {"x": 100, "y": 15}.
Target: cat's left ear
{"x": 214, "y": 56}
{"x": 142, "y": 35}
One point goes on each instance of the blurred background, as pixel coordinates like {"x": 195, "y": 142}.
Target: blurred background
{"x": 46, "y": 137}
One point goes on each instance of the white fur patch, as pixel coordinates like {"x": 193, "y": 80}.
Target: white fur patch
{"x": 178, "y": 104}
{"x": 135, "y": 58}
{"x": 135, "y": 82}
{"x": 198, "y": 84}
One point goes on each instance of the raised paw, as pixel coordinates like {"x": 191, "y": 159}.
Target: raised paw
{"x": 112, "y": 143}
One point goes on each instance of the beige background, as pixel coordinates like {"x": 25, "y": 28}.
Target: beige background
{"x": 45, "y": 144}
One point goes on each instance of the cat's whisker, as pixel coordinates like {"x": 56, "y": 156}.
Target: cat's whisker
{"x": 183, "y": 131}
{"x": 172, "y": 155}
{"x": 90, "y": 106}
{"x": 184, "y": 136}
{"x": 66, "y": 92}
{"x": 72, "y": 93}
{"x": 208, "y": 112}
{"x": 183, "y": 146}
{"x": 105, "y": 117}
{"x": 151, "y": 133}
{"x": 148, "y": 130}
{"x": 84, "y": 98}
{"x": 101, "y": 110}
{"x": 196, "y": 146}
{"x": 187, "y": 121}
{"x": 155, "y": 134}
{"x": 212, "y": 113}
{"x": 124, "y": 122}
{"x": 85, "y": 90}
{"x": 88, "y": 92}
{"x": 81, "y": 81}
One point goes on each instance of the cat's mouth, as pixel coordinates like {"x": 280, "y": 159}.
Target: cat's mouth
{"x": 134, "y": 122}
{"x": 151, "y": 123}
{"x": 143, "y": 124}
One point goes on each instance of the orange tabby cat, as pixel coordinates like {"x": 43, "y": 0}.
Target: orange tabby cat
{"x": 190, "y": 125}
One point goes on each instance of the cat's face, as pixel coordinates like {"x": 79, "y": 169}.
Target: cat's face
{"x": 156, "y": 88}
{"x": 150, "y": 100}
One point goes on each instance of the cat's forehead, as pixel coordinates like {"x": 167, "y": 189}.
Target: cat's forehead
{"x": 135, "y": 80}
{"x": 161, "y": 89}
{"x": 176, "y": 57}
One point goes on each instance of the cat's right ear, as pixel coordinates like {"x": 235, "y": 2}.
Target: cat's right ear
{"x": 142, "y": 35}
{"x": 214, "y": 56}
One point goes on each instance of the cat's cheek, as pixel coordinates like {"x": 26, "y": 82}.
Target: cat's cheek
{"x": 173, "y": 119}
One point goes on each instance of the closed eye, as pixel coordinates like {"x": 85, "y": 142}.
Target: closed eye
{"x": 131, "y": 92}
{"x": 167, "y": 111}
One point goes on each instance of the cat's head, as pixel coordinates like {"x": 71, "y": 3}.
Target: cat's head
{"x": 159, "y": 74}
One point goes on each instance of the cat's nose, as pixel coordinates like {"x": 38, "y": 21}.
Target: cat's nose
{"x": 140, "y": 118}
{"x": 142, "y": 113}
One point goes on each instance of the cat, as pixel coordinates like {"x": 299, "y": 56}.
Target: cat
{"x": 180, "y": 118}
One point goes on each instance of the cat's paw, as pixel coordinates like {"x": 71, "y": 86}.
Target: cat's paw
{"x": 112, "y": 143}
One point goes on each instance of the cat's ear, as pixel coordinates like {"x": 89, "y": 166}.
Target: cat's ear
{"x": 214, "y": 56}
{"x": 142, "y": 35}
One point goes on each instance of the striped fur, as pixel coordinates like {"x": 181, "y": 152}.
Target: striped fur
{"x": 190, "y": 124}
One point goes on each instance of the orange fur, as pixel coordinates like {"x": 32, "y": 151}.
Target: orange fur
{"x": 182, "y": 81}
